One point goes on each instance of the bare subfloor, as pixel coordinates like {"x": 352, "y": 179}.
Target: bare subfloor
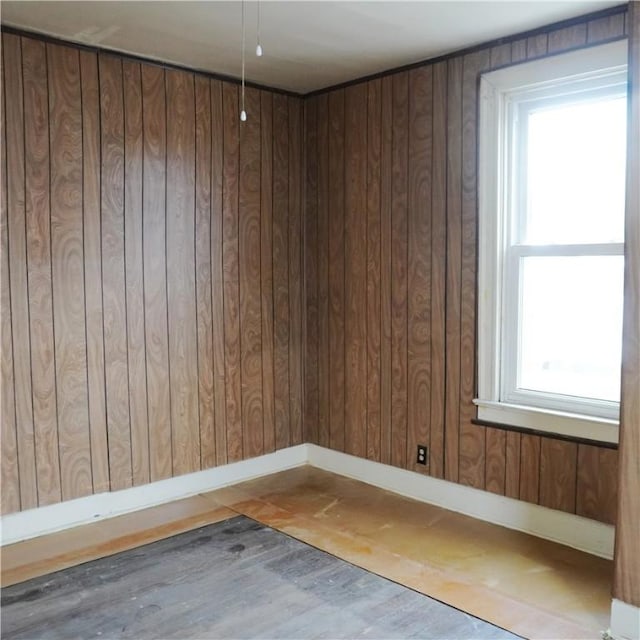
{"x": 532, "y": 587}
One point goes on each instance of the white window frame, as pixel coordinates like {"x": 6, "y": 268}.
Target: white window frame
{"x": 503, "y": 93}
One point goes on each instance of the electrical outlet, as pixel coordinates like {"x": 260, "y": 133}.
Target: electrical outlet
{"x": 422, "y": 454}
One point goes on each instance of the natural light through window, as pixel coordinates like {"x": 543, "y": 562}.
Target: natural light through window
{"x": 552, "y": 175}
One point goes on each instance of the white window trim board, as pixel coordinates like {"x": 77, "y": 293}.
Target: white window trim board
{"x": 525, "y": 79}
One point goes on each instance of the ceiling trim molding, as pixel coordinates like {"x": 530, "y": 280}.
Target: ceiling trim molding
{"x": 603, "y": 13}
{"x": 554, "y": 26}
{"x": 172, "y": 66}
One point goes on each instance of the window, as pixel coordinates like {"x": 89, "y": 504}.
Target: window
{"x": 552, "y": 192}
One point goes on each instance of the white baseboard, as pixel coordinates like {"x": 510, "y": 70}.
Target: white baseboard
{"x": 56, "y": 517}
{"x": 566, "y": 528}
{"x": 625, "y": 621}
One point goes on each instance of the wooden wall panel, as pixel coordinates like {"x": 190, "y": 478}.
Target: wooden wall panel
{"x": 155, "y": 272}
{"x": 416, "y": 221}
{"x": 355, "y": 266}
{"x": 147, "y": 243}
{"x": 373, "y": 327}
{"x": 67, "y": 255}
{"x": 38, "y": 220}
{"x": 113, "y": 272}
{"x": 249, "y": 257}
{"x": 420, "y": 215}
{"x": 18, "y": 280}
{"x": 136, "y": 356}
{"x": 281, "y": 270}
{"x": 9, "y": 472}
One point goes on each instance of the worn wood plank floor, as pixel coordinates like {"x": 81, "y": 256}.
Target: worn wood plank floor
{"x": 233, "y": 579}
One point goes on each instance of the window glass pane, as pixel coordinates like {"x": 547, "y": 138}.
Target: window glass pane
{"x": 576, "y": 173}
{"x": 571, "y": 326}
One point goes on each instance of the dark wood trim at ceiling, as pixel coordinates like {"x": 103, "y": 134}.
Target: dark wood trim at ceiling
{"x": 603, "y": 13}
{"x": 132, "y": 57}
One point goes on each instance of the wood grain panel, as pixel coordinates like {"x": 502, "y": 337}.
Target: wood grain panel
{"x": 266, "y": 267}
{"x": 355, "y": 234}
{"x": 217, "y": 270}
{"x": 18, "y": 277}
{"x": 323, "y": 272}
{"x": 249, "y": 272}
{"x": 438, "y": 270}
{"x": 336, "y": 270}
{"x": 113, "y": 272}
{"x": 311, "y": 247}
{"x": 181, "y": 286}
{"x": 204, "y": 311}
{"x": 93, "y": 270}
{"x": 454, "y": 259}
{"x": 597, "y": 483}
{"x": 43, "y": 375}
{"x": 513, "y": 446}
{"x": 136, "y": 356}
{"x": 530, "y": 468}
{"x": 558, "y": 461}
{"x": 420, "y": 171}
{"x": 67, "y": 255}
{"x": 399, "y": 269}
{"x": 495, "y": 457}
{"x": 280, "y": 269}
{"x": 606, "y": 28}
{"x": 472, "y": 438}
{"x": 9, "y": 472}
{"x": 386, "y": 226}
{"x": 568, "y": 38}
{"x": 374, "y": 149}
{"x": 231, "y": 120}
{"x": 296, "y": 269}
{"x": 626, "y": 585}
{"x": 155, "y": 272}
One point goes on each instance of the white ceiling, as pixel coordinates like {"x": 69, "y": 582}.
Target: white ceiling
{"x": 307, "y": 45}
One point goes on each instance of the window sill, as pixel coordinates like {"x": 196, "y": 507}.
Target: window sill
{"x": 569, "y": 425}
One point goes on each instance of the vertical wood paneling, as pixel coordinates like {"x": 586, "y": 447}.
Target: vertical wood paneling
{"x": 18, "y": 276}
{"x": 181, "y": 286}
{"x": 311, "y": 271}
{"x": 374, "y": 149}
{"x": 266, "y": 267}
{"x": 323, "y": 272}
{"x": 280, "y": 269}
{"x": 296, "y": 270}
{"x": 43, "y": 376}
{"x": 420, "y": 217}
{"x": 217, "y": 271}
{"x": 386, "y": 226}
{"x": 231, "y": 272}
{"x": 336, "y": 270}
{"x": 152, "y": 289}
{"x": 529, "y": 483}
{"x": 113, "y": 272}
{"x": 597, "y": 483}
{"x": 134, "y": 272}
{"x": 9, "y": 472}
{"x": 454, "y": 242}
{"x": 558, "y": 462}
{"x": 249, "y": 273}
{"x": 67, "y": 255}
{"x": 155, "y": 272}
{"x": 355, "y": 234}
{"x": 93, "y": 270}
{"x": 203, "y": 272}
{"x": 399, "y": 269}
{"x": 472, "y": 438}
{"x": 438, "y": 269}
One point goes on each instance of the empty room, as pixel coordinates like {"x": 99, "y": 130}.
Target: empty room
{"x": 320, "y": 319}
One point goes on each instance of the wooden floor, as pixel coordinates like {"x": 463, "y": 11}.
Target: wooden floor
{"x": 233, "y": 579}
{"x": 535, "y": 588}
